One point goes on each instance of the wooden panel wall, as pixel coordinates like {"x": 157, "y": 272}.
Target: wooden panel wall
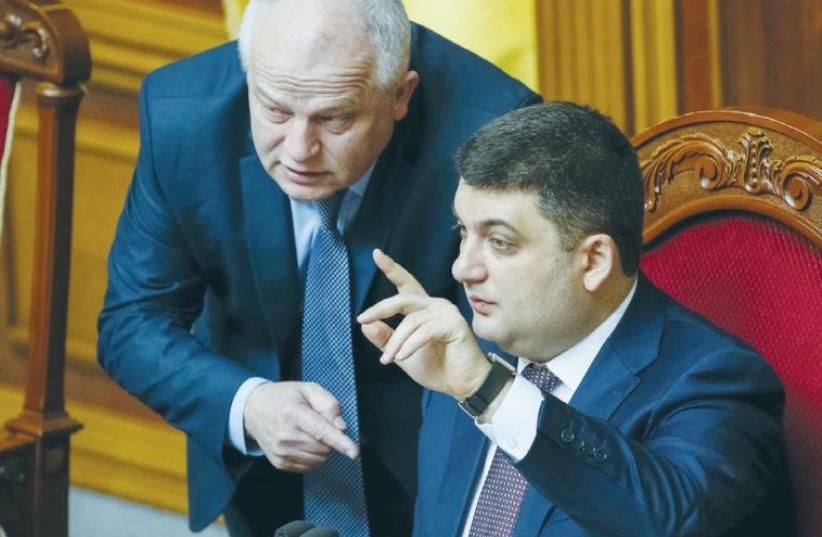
{"x": 616, "y": 55}
{"x": 124, "y": 449}
{"x": 772, "y": 54}
{"x": 643, "y": 61}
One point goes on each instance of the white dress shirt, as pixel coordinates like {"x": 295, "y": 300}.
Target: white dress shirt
{"x": 305, "y": 221}
{"x": 514, "y": 425}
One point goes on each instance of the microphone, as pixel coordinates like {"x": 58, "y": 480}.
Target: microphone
{"x": 321, "y": 531}
{"x": 294, "y": 528}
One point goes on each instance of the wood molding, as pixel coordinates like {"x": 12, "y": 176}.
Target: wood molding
{"x": 42, "y": 41}
{"x": 760, "y": 160}
{"x": 122, "y": 455}
{"x": 714, "y": 166}
{"x": 129, "y": 39}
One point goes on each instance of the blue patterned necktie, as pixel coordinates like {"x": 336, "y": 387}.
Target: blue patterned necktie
{"x": 334, "y": 493}
{"x": 501, "y": 496}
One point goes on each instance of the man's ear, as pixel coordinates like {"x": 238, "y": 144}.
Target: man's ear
{"x": 403, "y": 93}
{"x": 601, "y": 259}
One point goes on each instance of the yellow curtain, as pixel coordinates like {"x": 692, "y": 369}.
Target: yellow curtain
{"x": 502, "y": 31}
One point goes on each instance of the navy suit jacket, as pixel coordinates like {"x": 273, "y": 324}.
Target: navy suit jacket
{"x": 204, "y": 290}
{"x": 675, "y": 430}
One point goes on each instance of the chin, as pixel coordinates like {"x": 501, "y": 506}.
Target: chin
{"x": 488, "y": 331}
{"x": 307, "y": 192}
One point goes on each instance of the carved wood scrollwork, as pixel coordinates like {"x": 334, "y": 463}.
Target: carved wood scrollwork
{"x": 794, "y": 180}
{"x": 16, "y": 32}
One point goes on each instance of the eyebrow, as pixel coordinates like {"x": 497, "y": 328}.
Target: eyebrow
{"x": 490, "y": 222}
{"x": 339, "y": 105}
{"x": 494, "y": 222}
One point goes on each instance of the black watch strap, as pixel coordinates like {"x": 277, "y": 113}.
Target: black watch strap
{"x": 490, "y": 388}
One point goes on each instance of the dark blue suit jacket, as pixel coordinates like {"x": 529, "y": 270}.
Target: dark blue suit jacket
{"x": 674, "y": 431}
{"x": 204, "y": 290}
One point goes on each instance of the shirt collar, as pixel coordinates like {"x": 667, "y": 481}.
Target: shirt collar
{"x": 359, "y": 187}
{"x": 571, "y": 365}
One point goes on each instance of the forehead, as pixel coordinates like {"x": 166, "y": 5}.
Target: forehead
{"x": 518, "y": 209}
{"x": 471, "y": 202}
{"x": 312, "y": 48}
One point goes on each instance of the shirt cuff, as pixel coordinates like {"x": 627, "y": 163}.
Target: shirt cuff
{"x": 514, "y": 425}
{"x": 236, "y": 422}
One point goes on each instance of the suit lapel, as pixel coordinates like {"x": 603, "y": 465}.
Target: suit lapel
{"x": 272, "y": 254}
{"x": 465, "y": 458}
{"x": 630, "y": 348}
{"x": 375, "y": 218}
{"x": 610, "y": 379}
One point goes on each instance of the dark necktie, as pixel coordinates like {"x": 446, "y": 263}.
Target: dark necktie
{"x": 334, "y": 493}
{"x": 501, "y": 496}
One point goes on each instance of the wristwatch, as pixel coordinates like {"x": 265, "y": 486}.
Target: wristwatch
{"x": 500, "y": 372}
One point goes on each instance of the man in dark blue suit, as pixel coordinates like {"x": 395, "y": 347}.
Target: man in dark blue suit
{"x": 625, "y": 414}
{"x": 218, "y": 245}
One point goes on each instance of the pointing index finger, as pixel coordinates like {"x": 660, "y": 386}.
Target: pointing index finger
{"x": 396, "y": 274}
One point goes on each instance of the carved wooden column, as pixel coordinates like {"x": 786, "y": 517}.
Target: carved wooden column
{"x": 42, "y": 40}
{"x": 44, "y": 417}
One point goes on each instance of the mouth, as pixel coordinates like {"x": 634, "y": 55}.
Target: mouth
{"x": 303, "y": 176}
{"x": 480, "y": 305}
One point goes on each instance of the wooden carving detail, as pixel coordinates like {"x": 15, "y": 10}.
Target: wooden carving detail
{"x": 794, "y": 180}
{"x": 15, "y": 33}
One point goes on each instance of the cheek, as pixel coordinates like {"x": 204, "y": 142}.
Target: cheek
{"x": 266, "y": 136}
{"x": 348, "y": 150}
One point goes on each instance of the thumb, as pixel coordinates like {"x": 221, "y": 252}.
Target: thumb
{"x": 324, "y": 403}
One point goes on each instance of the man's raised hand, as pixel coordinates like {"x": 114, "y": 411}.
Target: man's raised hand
{"x": 433, "y": 344}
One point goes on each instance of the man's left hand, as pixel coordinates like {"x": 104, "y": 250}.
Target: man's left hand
{"x": 433, "y": 344}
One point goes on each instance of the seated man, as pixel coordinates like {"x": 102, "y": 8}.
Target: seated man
{"x": 626, "y": 415}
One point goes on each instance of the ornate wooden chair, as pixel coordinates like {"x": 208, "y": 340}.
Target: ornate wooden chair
{"x": 41, "y": 40}
{"x": 733, "y": 230}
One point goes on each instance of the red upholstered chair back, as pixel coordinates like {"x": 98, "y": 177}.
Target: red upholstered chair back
{"x": 733, "y": 230}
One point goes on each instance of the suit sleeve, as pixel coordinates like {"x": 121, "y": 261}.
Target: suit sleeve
{"x": 155, "y": 292}
{"x": 709, "y": 454}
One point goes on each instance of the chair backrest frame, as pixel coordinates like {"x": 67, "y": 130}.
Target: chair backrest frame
{"x": 755, "y": 161}
{"x": 41, "y": 40}
{"x": 678, "y": 174}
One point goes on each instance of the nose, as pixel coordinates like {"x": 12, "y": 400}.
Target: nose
{"x": 301, "y": 140}
{"x": 468, "y": 267}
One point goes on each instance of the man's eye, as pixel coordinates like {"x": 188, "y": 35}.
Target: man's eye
{"x": 500, "y": 244}
{"x": 278, "y": 115}
{"x": 335, "y": 123}
{"x": 460, "y": 229}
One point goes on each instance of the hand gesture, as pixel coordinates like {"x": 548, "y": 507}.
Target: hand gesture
{"x": 433, "y": 344}
{"x": 296, "y": 425}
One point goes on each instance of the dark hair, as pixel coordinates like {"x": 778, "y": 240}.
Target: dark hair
{"x": 582, "y": 167}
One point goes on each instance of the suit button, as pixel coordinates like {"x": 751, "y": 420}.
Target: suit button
{"x": 578, "y": 443}
{"x": 588, "y": 450}
{"x": 567, "y": 436}
{"x": 600, "y": 455}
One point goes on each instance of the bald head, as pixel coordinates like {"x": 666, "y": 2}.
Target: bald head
{"x": 379, "y": 28}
